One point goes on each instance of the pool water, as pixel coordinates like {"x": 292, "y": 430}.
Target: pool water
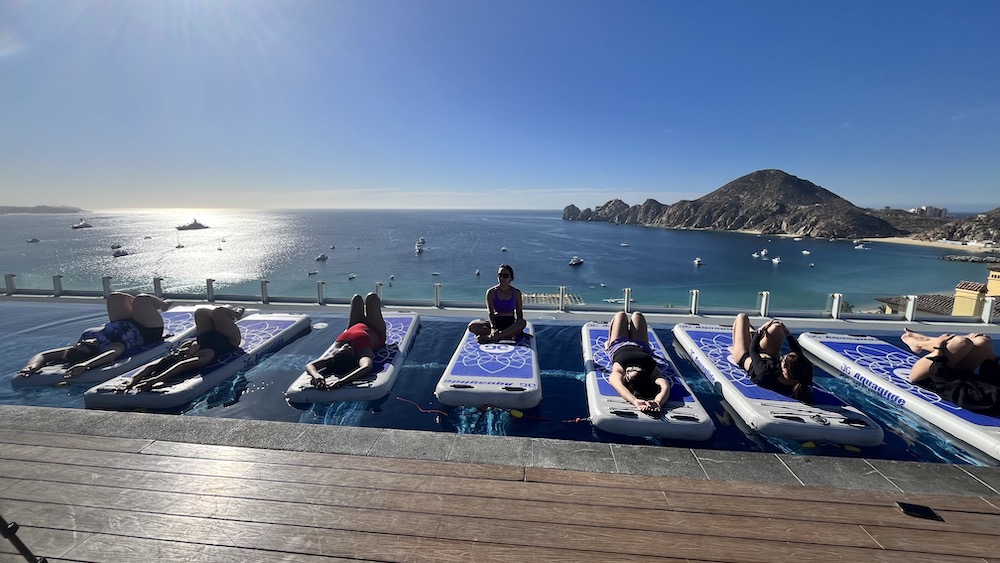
{"x": 258, "y": 393}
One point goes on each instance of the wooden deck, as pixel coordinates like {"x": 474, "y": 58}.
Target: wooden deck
{"x": 92, "y": 498}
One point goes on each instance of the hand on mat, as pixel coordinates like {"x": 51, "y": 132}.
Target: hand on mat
{"x": 648, "y": 407}
{"x": 320, "y": 383}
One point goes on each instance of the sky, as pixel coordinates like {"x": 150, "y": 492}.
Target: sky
{"x": 495, "y": 104}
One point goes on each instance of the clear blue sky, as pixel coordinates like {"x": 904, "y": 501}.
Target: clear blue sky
{"x": 494, "y": 104}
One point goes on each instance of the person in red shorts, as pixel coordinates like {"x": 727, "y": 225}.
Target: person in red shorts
{"x": 354, "y": 350}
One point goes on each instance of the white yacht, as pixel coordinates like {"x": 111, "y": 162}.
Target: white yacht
{"x": 322, "y": 256}
{"x": 81, "y": 225}
{"x": 192, "y": 226}
{"x": 806, "y": 252}
{"x": 575, "y": 261}
{"x": 776, "y": 260}
{"x": 697, "y": 261}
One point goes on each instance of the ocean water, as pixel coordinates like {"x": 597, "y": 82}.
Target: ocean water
{"x": 243, "y": 247}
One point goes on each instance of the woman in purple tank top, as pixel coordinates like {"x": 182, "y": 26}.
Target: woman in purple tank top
{"x": 506, "y": 316}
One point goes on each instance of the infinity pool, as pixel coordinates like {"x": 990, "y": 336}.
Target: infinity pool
{"x": 258, "y": 393}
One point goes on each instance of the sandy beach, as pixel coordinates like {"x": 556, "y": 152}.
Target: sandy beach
{"x": 934, "y": 244}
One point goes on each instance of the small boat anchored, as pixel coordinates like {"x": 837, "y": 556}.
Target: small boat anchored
{"x": 322, "y": 256}
{"x": 33, "y": 239}
{"x": 776, "y": 260}
{"x": 81, "y": 225}
{"x": 697, "y": 261}
{"x": 575, "y": 261}
{"x": 118, "y": 253}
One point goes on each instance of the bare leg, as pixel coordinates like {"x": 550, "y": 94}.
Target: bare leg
{"x": 742, "y": 334}
{"x": 480, "y": 327}
{"x": 119, "y": 306}
{"x": 640, "y": 329}
{"x": 373, "y": 315}
{"x": 203, "y": 320}
{"x": 357, "y": 314}
{"x": 920, "y": 342}
{"x": 146, "y": 310}
{"x": 511, "y": 331}
{"x": 773, "y": 337}
{"x": 224, "y": 321}
{"x": 619, "y": 327}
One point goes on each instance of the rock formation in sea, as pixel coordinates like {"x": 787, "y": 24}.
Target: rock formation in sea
{"x": 767, "y": 201}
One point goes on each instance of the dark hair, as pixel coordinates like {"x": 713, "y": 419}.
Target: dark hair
{"x": 79, "y": 353}
{"x": 641, "y": 384}
{"x": 801, "y": 371}
{"x": 342, "y": 362}
{"x": 508, "y": 268}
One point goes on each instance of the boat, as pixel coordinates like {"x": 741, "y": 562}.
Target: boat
{"x": 119, "y": 253}
{"x": 115, "y": 246}
{"x": 756, "y": 255}
{"x": 624, "y": 244}
{"x": 81, "y": 225}
{"x": 312, "y": 272}
{"x": 697, "y": 261}
{"x": 477, "y": 271}
{"x": 193, "y": 225}
{"x": 618, "y": 300}
{"x": 776, "y": 260}
{"x": 796, "y": 239}
{"x": 351, "y": 276}
{"x": 33, "y": 240}
{"x": 860, "y": 247}
{"x": 322, "y": 256}
{"x": 806, "y": 252}
{"x": 503, "y": 249}
{"x": 418, "y": 247}
{"x": 333, "y": 247}
{"x": 575, "y": 261}
{"x": 763, "y": 252}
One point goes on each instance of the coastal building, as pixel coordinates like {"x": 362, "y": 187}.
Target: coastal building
{"x": 930, "y": 211}
{"x": 968, "y": 300}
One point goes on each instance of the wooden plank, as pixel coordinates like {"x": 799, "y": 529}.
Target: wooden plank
{"x": 710, "y": 546}
{"x": 68, "y": 456}
{"x": 636, "y": 520}
{"x": 750, "y": 489}
{"x": 77, "y": 441}
{"x": 951, "y": 543}
{"x": 338, "y": 461}
{"x": 119, "y": 549}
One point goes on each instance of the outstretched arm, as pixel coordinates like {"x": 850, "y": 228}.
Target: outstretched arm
{"x": 364, "y": 368}
{"x": 42, "y": 359}
{"x": 104, "y": 358}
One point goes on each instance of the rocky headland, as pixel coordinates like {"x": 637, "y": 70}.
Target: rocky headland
{"x": 775, "y": 202}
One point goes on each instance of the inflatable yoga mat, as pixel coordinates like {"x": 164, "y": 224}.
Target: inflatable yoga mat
{"x": 263, "y": 333}
{"x": 884, "y": 370}
{"x": 178, "y": 325}
{"x": 501, "y": 374}
{"x": 401, "y": 329}
{"x": 683, "y": 417}
{"x": 768, "y": 412}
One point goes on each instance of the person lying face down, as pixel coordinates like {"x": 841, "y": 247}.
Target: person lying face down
{"x": 759, "y": 353}
{"x": 634, "y": 373}
{"x": 216, "y": 335}
{"x": 354, "y": 349}
{"x": 133, "y": 322}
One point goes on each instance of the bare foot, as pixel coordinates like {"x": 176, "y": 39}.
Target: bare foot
{"x": 911, "y": 339}
{"x": 235, "y": 312}
{"x": 167, "y": 304}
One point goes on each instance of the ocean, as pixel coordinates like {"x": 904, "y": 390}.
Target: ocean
{"x": 242, "y": 247}
{"x": 363, "y": 247}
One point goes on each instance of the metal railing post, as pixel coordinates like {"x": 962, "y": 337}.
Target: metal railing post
{"x": 437, "y": 295}
{"x": 987, "y": 314}
{"x": 106, "y": 285}
{"x": 628, "y": 299}
{"x": 263, "y": 292}
{"x": 562, "y": 298}
{"x": 911, "y": 308}
{"x": 835, "y": 305}
{"x": 695, "y": 297}
{"x": 57, "y": 288}
{"x": 378, "y": 289}
{"x": 210, "y": 290}
{"x": 158, "y": 286}
{"x": 319, "y": 292}
{"x": 9, "y": 278}
{"x": 765, "y": 303}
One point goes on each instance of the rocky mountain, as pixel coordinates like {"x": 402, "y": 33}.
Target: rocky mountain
{"x": 768, "y": 201}
{"x": 5, "y": 209}
{"x": 984, "y": 226}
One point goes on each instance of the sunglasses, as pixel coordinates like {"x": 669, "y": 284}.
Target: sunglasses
{"x": 503, "y": 275}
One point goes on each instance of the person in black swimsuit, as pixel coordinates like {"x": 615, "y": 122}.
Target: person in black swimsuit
{"x": 759, "y": 353}
{"x": 216, "y": 335}
{"x": 961, "y": 369}
{"x": 634, "y": 370}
